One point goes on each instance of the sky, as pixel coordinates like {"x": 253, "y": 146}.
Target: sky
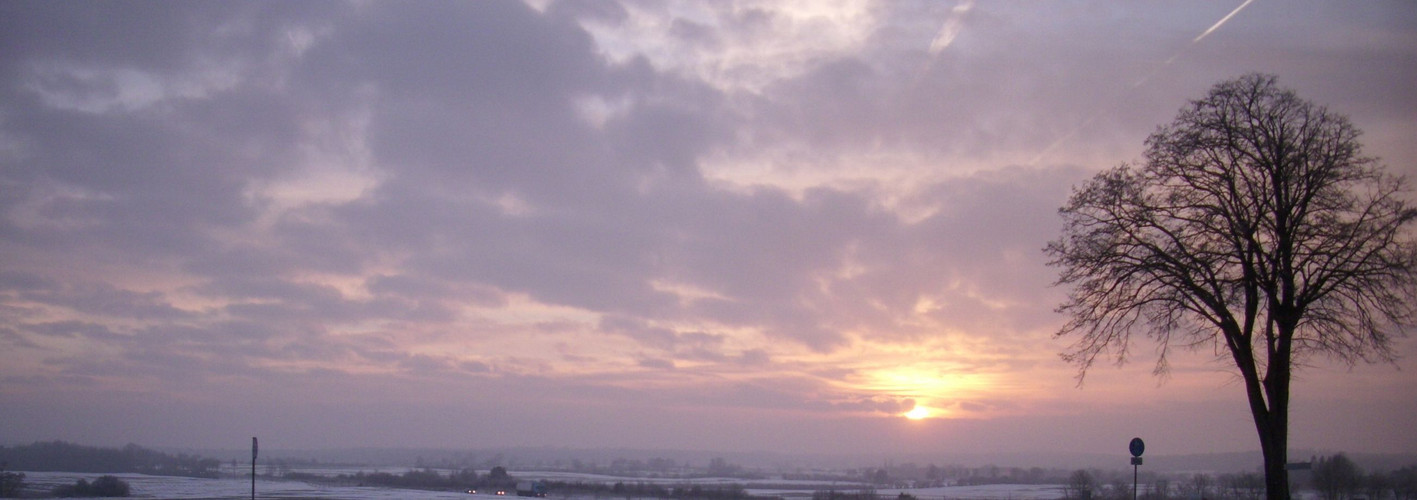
{"x": 719, "y": 225}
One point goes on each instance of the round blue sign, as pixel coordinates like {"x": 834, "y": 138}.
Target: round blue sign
{"x": 1137, "y": 446}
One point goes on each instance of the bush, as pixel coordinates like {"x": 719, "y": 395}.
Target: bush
{"x": 11, "y": 483}
{"x": 104, "y": 486}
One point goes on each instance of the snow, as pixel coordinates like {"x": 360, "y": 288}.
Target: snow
{"x": 145, "y": 486}
{"x": 804, "y": 488}
{"x": 990, "y": 491}
{"x": 232, "y": 488}
{"x": 983, "y": 492}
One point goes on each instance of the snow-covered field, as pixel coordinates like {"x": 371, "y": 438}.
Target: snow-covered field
{"x": 145, "y": 486}
{"x": 985, "y": 492}
{"x": 804, "y": 488}
{"x": 982, "y": 492}
{"x": 232, "y": 488}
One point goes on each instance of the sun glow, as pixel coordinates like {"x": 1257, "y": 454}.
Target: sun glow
{"x": 916, "y": 381}
{"x": 917, "y": 413}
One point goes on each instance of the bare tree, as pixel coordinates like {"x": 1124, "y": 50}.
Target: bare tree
{"x": 1120, "y": 488}
{"x": 1337, "y": 477}
{"x": 1254, "y": 227}
{"x": 1246, "y": 486}
{"x": 1376, "y": 485}
{"x": 1160, "y": 489}
{"x": 1200, "y": 485}
{"x": 1404, "y": 483}
{"x": 1080, "y": 485}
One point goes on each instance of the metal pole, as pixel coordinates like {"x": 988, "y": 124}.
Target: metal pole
{"x": 1137, "y": 447}
{"x": 253, "y": 468}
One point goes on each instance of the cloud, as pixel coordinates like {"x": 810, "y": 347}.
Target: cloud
{"x": 733, "y": 46}
{"x": 953, "y": 25}
{"x": 721, "y": 213}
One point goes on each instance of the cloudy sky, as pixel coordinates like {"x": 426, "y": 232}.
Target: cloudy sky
{"x": 650, "y": 224}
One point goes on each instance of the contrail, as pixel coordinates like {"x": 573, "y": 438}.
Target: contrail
{"x": 1046, "y": 151}
{"x": 1221, "y": 21}
{"x": 1194, "y": 41}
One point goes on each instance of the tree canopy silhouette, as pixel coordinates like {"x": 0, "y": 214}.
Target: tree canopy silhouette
{"x": 1254, "y": 226}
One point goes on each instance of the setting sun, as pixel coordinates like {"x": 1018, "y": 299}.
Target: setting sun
{"x": 917, "y": 413}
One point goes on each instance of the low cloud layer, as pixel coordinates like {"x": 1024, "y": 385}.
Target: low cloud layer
{"x": 720, "y": 225}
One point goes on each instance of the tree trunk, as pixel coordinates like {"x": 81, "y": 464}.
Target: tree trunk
{"x": 1272, "y": 424}
{"x": 1274, "y": 428}
{"x": 1276, "y": 457}
{"x": 1269, "y": 406}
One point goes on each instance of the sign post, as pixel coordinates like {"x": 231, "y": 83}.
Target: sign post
{"x": 1136, "y": 447}
{"x": 253, "y": 467}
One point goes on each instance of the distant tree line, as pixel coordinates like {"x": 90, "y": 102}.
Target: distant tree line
{"x": 12, "y": 485}
{"x": 499, "y": 479}
{"x": 650, "y": 490}
{"x": 659, "y": 467}
{"x": 1338, "y": 478}
{"x": 1115, "y": 485}
{"x": 864, "y": 494}
{"x": 910, "y": 475}
{"x": 69, "y": 457}
{"x": 420, "y": 479}
{"x": 1333, "y": 478}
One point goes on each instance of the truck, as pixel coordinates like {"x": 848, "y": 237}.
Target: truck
{"x": 531, "y": 489}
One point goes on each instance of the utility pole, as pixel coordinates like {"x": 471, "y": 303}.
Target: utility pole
{"x": 253, "y": 467}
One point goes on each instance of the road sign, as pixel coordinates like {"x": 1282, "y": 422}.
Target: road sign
{"x": 1136, "y": 447}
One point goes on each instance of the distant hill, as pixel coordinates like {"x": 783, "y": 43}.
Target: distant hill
{"x": 69, "y": 457}
{"x": 558, "y": 457}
